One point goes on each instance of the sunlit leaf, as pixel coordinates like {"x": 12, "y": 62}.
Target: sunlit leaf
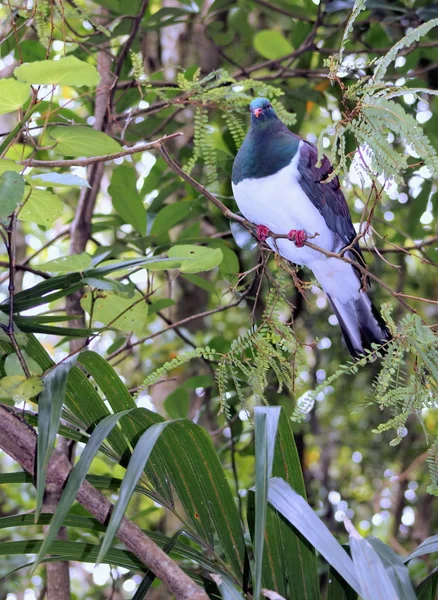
{"x": 116, "y": 310}
{"x": 82, "y": 141}
{"x": 13, "y": 94}
{"x": 271, "y": 44}
{"x": 199, "y": 258}
{"x": 41, "y": 207}
{"x": 67, "y": 264}
{"x": 66, "y": 71}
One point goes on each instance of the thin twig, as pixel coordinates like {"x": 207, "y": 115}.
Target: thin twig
{"x": 93, "y": 160}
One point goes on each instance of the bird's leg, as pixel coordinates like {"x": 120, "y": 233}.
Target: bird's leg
{"x": 298, "y": 236}
{"x": 262, "y": 232}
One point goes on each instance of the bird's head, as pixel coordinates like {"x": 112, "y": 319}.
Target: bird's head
{"x": 261, "y": 110}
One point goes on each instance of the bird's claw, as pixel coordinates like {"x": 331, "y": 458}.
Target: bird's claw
{"x": 262, "y": 232}
{"x": 298, "y": 236}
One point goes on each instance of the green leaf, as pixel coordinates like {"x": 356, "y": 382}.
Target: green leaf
{"x": 429, "y": 545}
{"x": 177, "y": 404}
{"x": 374, "y": 580}
{"x": 50, "y": 405}
{"x": 266, "y": 423}
{"x": 41, "y": 207}
{"x": 67, "y": 264}
{"x": 137, "y": 463}
{"x": 295, "y": 509}
{"x": 11, "y": 192}
{"x": 396, "y": 570}
{"x": 20, "y": 337}
{"x": 200, "y": 257}
{"x": 83, "y": 141}
{"x": 226, "y": 588}
{"x": 427, "y": 590}
{"x": 58, "y": 179}
{"x": 65, "y": 71}
{"x": 116, "y": 310}
{"x": 169, "y": 216}
{"x": 13, "y": 367}
{"x": 13, "y": 94}
{"x": 76, "y": 479}
{"x": 126, "y": 200}
{"x": 271, "y": 44}
{"x": 9, "y": 165}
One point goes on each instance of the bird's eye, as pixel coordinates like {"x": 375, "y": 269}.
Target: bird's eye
{"x": 269, "y": 106}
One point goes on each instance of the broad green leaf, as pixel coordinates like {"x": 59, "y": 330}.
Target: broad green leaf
{"x": 125, "y": 198}
{"x": 200, "y": 257}
{"x": 13, "y": 94}
{"x": 429, "y": 545}
{"x": 82, "y": 141}
{"x": 58, "y": 179}
{"x": 271, "y": 44}
{"x": 295, "y": 509}
{"x": 41, "y": 207}
{"x": 76, "y": 479}
{"x": 50, "y": 405}
{"x": 169, "y": 216}
{"x": 9, "y": 165}
{"x": 116, "y": 310}
{"x": 11, "y": 192}
{"x": 136, "y": 465}
{"x": 19, "y": 151}
{"x": 67, "y": 264}
{"x": 428, "y": 588}
{"x": 184, "y": 458}
{"x": 338, "y": 588}
{"x": 19, "y": 388}
{"x": 13, "y": 367}
{"x": 177, "y": 404}
{"x": 266, "y": 423}
{"x": 65, "y": 71}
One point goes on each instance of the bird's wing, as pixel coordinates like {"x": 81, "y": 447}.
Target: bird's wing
{"x": 326, "y": 197}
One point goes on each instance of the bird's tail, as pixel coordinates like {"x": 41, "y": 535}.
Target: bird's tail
{"x": 360, "y": 322}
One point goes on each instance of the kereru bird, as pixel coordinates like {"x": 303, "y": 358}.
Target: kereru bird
{"x": 279, "y": 188}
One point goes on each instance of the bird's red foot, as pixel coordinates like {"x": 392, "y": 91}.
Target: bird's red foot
{"x": 298, "y": 236}
{"x": 262, "y": 232}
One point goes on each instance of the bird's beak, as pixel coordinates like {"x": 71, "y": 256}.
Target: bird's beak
{"x": 257, "y": 112}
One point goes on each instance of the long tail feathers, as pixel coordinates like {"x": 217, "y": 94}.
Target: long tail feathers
{"x": 361, "y": 324}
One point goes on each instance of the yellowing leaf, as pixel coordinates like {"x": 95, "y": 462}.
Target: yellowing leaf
{"x": 117, "y": 310}
{"x": 19, "y": 388}
{"x": 19, "y": 152}
{"x": 13, "y": 366}
{"x": 42, "y": 207}
{"x": 66, "y": 71}
{"x": 13, "y": 94}
{"x": 271, "y": 44}
{"x": 83, "y": 141}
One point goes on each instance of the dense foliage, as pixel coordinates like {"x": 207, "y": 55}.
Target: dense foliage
{"x": 144, "y": 324}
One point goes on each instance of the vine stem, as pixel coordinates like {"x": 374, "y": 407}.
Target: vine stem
{"x": 9, "y": 330}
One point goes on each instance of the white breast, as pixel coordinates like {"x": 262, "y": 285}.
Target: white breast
{"x": 279, "y": 202}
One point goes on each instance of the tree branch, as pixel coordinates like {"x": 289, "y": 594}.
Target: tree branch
{"x": 19, "y": 440}
{"x": 93, "y": 160}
